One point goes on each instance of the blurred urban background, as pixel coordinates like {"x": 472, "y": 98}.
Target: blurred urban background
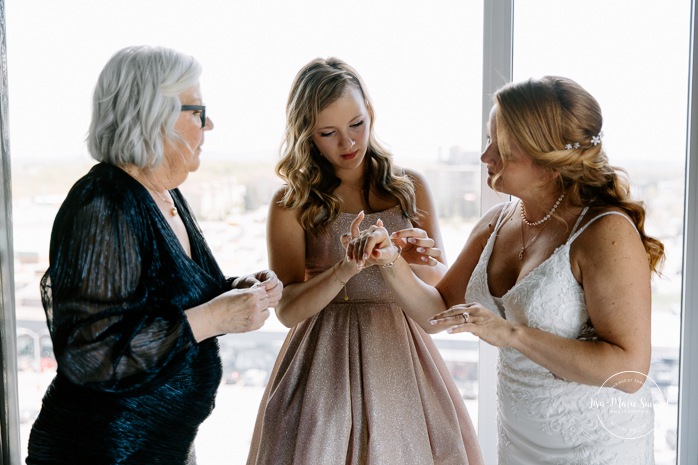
{"x": 231, "y": 199}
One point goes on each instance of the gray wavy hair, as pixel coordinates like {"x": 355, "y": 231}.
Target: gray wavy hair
{"x": 136, "y": 104}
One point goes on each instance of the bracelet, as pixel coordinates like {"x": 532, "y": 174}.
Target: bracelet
{"x": 390, "y": 265}
{"x": 344, "y": 284}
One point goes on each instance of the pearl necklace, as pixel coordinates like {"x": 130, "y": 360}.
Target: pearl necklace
{"x": 546, "y": 217}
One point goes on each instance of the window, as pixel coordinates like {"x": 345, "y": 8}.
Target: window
{"x": 644, "y": 132}
{"x": 422, "y": 66}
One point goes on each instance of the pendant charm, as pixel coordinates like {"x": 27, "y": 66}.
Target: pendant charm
{"x": 521, "y": 253}
{"x": 173, "y": 211}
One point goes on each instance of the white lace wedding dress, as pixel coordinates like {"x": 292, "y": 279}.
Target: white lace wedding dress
{"x": 543, "y": 419}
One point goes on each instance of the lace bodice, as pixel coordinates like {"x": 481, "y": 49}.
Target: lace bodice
{"x": 542, "y": 418}
{"x": 548, "y": 298}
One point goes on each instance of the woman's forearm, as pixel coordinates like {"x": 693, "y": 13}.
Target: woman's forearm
{"x": 430, "y": 274}
{"x": 584, "y": 362}
{"x": 305, "y": 299}
{"x": 418, "y": 299}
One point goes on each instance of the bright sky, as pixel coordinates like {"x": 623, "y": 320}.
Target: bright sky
{"x": 422, "y": 62}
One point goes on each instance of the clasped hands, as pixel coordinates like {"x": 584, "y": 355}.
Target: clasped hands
{"x": 376, "y": 246}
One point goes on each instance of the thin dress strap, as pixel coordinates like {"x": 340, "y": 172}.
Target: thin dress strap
{"x": 572, "y": 235}
{"x": 501, "y": 216}
{"x": 612, "y": 212}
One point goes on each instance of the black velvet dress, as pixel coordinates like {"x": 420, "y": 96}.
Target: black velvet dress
{"x": 132, "y": 385}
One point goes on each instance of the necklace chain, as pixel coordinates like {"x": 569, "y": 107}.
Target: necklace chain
{"x": 353, "y": 188}
{"x": 173, "y": 210}
{"x": 141, "y": 177}
{"x": 524, "y": 246}
{"x": 546, "y": 217}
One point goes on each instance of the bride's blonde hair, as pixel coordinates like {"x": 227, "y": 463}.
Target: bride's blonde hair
{"x": 558, "y": 123}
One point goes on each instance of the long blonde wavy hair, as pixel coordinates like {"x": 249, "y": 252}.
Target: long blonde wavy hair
{"x": 546, "y": 117}
{"x": 309, "y": 177}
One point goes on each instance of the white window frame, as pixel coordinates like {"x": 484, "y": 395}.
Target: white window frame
{"x": 687, "y": 446}
{"x": 498, "y": 65}
{"x": 497, "y": 69}
{"x": 9, "y": 392}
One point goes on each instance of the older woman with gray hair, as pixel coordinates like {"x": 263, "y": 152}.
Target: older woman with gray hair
{"x": 133, "y": 297}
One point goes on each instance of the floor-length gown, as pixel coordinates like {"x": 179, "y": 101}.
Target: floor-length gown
{"x": 543, "y": 419}
{"x": 360, "y": 382}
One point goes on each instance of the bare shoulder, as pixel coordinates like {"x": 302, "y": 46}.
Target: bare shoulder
{"x": 487, "y": 223}
{"x": 609, "y": 238}
{"x": 278, "y": 213}
{"x": 285, "y": 241}
{"x": 419, "y": 181}
{"x": 605, "y": 224}
{"x": 415, "y": 175}
{"x": 279, "y": 194}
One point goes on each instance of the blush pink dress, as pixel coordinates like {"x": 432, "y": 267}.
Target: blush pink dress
{"x": 360, "y": 382}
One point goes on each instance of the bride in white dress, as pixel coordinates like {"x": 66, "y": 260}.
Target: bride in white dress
{"x": 558, "y": 279}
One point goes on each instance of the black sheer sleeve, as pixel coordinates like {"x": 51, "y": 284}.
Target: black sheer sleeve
{"x": 114, "y": 326}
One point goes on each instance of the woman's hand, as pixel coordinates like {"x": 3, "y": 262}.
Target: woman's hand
{"x": 417, "y": 247}
{"x": 240, "y": 310}
{"x": 354, "y": 232}
{"x": 478, "y": 320}
{"x": 350, "y": 263}
{"x": 266, "y": 279}
{"x": 372, "y": 246}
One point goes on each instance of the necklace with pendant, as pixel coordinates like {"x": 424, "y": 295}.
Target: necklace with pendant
{"x": 173, "y": 210}
{"x": 141, "y": 177}
{"x": 524, "y": 246}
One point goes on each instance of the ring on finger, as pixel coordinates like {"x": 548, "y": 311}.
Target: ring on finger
{"x": 465, "y": 317}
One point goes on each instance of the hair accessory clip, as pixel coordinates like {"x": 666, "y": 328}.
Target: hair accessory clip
{"x": 595, "y": 140}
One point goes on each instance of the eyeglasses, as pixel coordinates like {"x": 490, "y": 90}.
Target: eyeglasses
{"x": 200, "y": 108}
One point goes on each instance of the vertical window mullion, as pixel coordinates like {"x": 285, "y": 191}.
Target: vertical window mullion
{"x": 9, "y": 412}
{"x": 687, "y": 451}
{"x": 496, "y": 71}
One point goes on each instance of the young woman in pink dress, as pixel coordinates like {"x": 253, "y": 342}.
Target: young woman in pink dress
{"x": 358, "y": 380}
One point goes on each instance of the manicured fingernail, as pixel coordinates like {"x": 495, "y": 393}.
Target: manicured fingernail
{"x": 412, "y": 240}
{"x": 425, "y": 259}
{"x": 433, "y": 322}
{"x": 420, "y": 249}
